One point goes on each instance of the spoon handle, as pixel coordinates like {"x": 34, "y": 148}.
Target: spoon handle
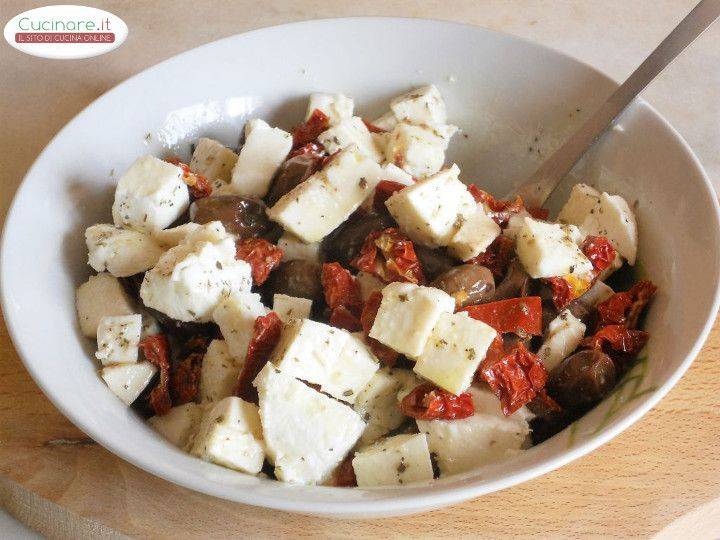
{"x": 543, "y": 182}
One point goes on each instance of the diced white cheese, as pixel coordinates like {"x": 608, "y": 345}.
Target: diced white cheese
{"x": 235, "y": 315}
{"x": 307, "y": 434}
{"x": 418, "y": 150}
{"x": 613, "y": 218}
{"x": 433, "y": 209}
{"x": 230, "y": 435}
{"x": 219, "y": 372}
{"x": 118, "y": 338}
{"x": 127, "y": 381}
{"x": 582, "y": 200}
{"x": 398, "y": 460}
{"x": 122, "y": 252}
{"x": 322, "y": 354}
{"x": 563, "y": 335}
{"x": 172, "y": 237}
{"x": 420, "y": 106}
{"x": 485, "y": 437}
{"x": 295, "y": 249}
{"x": 408, "y": 380}
{"x": 377, "y": 403}
{"x": 191, "y": 279}
{"x": 548, "y": 250}
{"x": 291, "y": 307}
{"x": 390, "y": 171}
{"x": 317, "y": 206}
{"x": 179, "y": 425}
{"x": 336, "y": 107}
{"x": 100, "y": 296}
{"x": 350, "y": 131}
{"x": 260, "y": 157}
{"x": 213, "y": 160}
{"x": 515, "y": 224}
{"x": 369, "y": 283}
{"x": 407, "y": 316}
{"x": 474, "y": 235}
{"x": 387, "y": 121}
{"x": 150, "y": 195}
{"x": 456, "y": 347}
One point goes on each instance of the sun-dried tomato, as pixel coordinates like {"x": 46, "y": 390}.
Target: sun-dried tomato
{"x": 185, "y": 379}
{"x": 522, "y": 316}
{"x": 342, "y": 317}
{"x": 516, "y": 378}
{"x": 390, "y": 255}
{"x": 344, "y": 475}
{"x": 538, "y": 212}
{"x": 385, "y": 354}
{"x": 266, "y": 334}
{"x": 312, "y": 149}
{"x": 567, "y": 288}
{"x": 626, "y": 307}
{"x": 428, "y": 402}
{"x": 198, "y": 185}
{"x": 340, "y": 287}
{"x": 372, "y": 128}
{"x": 310, "y": 129}
{"x": 262, "y": 256}
{"x": 500, "y": 210}
{"x": 497, "y": 256}
{"x": 156, "y": 350}
{"x": 617, "y": 338}
{"x": 383, "y": 191}
{"x": 600, "y": 252}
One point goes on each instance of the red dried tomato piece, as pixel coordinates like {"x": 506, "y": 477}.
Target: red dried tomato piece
{"x": 522, "y": 316}
{"x": 185, "y": 379}
{"x": 340, "y": 287}
{"x": 156, "y": 350}
{"x": 500, "y": 210}
{"x": 266, "y": 334}
{"x": 390, "y": 255}
{"x": 310, "y": 129}
{"x": 199, "y": 185}
{"x": 538, "y": 212}
{"x": 600, "y": 252}
{"x": 261, "y": 255}
{"x": 342, "y": 317}
{"x": 516, "y": 378}
{"x": 385, "y": 354}
{"x": 372, "y": 128}
{"x": 311, "y": 149}
{"x": 383, "y": 191}
{"x": 617, "y": 338}
{"x": 626, "y": 307}
{"x": 497, "y": 256}
{"x": 428, "y": 402}
{"x": 344, "y": 475}
{"x": 567, "y": 288}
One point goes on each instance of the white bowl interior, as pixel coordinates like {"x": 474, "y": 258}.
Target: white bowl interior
{"x": 514, "y": 101}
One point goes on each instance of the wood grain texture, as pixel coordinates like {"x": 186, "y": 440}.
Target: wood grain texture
{"x": 661, "y": 476}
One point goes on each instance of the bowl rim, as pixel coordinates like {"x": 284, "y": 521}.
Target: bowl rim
{"x": 432, "y": 496}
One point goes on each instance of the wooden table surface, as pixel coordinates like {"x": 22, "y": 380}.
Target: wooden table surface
{"x": 660, "y": 477}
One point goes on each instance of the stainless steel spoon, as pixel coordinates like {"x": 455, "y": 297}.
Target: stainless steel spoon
{"x": 536, "y": 189}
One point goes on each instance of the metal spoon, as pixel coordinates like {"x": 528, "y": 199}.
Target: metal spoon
{"x": 543, "y": 182}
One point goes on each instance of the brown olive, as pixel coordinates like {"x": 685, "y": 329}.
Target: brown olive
{"x": 515, "y": 283}
{"x": 344, "y": 244}
{"x": 433, "y": 261}
{"x": 468, "y": 283}
{"x": 582, "y": 380}
{"x": 296, "y": 278}
{"x": 292, "y": 173}
{"x": 239, "y": 215}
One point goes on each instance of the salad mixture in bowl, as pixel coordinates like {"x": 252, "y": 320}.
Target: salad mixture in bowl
{"x": 333, "y": 305}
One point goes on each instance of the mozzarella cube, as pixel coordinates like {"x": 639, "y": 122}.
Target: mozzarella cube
{"x": 418, "y": 150}
{"x": 260, "y": 157}
{"x": 213, "y": 160}
{"x": 291, "y": 307}
{"x": 219, "y": 372}
{"x": 613, "y": 218}
{"x": 473, "y": 237}
{"x": 317, "y": 206}
{"x": 582, "y": 200}
{"x": 324, "y": 355}
{"x": 127, "y": 381}
{"x": 456, "y": 347}
{"x": 377, "y": 403}
{"x": 179, "y": 425}
{"x": 350, "y": 131}
{"x": 295, "y": 249}
{"x": 549, "y": 250}
{"x": 230, "y": 435}
{"x": 420, "y": 106}
{"x": 122, "y": 252}
{"x": 432, "y": 210}
{"x": 235, "y": 315}
{"x": 191, "y": 279}
{"x": 368, "y": 283}
{"x": 398, "y": 460}
{"x": 150, "y": 195}
{"x": 485, "y": 437}
{"x": 307, "y": 434}
{"x": 336, "y": 107}
{"x": 118, "y": 338}
{"x": 407, "y": 315}
{"x": 563, "y": 335}
{"x": 168, "y": 238}
{"x": 387, "y": 121}
{"x": 390, "y": 171}
{"x": 100, "y": 296}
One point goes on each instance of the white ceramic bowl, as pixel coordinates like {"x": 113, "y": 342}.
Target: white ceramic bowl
{"x": 514, "y": 102}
